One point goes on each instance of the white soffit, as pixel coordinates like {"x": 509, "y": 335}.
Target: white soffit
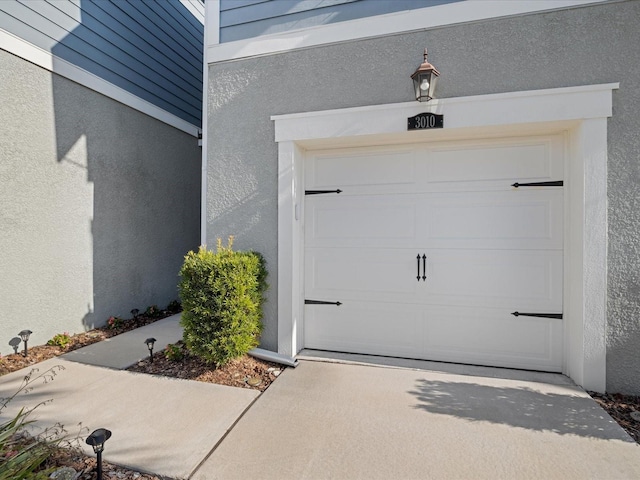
{"x": 379, "y": 25}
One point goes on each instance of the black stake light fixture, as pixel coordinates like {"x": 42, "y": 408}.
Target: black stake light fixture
{"x": 15, "y": 343}
{"x": 24, "y": 335}
{"x": 424, "y": 80}
{"x": 150, "y": 342}
{"x": 96, "y": 440}
{"x": 135, "y": 312}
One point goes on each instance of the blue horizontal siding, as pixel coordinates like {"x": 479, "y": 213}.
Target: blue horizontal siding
{"x": 150, "y": 49}
{"x": 242, "y": 19}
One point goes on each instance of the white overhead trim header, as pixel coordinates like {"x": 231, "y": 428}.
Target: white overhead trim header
{"x": 379, "y": 25}
{"x": 533, "y": 106}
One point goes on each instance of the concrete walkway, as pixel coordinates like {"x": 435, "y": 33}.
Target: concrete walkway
{"x": 124, "y": 350}
{"x": 325, "y": 419}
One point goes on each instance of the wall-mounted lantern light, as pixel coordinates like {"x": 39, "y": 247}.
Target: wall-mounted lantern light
{"x": 424, "y": 80}
{"x": 24, "y": 335}
{"x": 96, "y": 440}
{"x": 150, "y": 342}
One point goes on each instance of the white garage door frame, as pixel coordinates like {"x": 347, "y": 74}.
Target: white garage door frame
{"x": 579, "y": 113}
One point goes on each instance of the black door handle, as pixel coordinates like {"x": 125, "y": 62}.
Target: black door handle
{"x": 424, "y": 267}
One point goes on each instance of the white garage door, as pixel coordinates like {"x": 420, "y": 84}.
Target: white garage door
{"x": 428, "y": 251}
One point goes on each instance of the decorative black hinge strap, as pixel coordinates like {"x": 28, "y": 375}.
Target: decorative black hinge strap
{"x": 321, "y": 302}
{"x": 555, "y": 183}
{"x": 541, "y": 315}
{"x": 321, "y": 192}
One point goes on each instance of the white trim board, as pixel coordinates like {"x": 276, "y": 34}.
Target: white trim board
{"x": 375, "y": 26}
{"x": 580, "y": 113}
{"x": 210, "y": 9}
{"x": 196, "y": 8}
{"x": 42, "y": 58}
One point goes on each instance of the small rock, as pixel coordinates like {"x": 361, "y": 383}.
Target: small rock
{"x": 64, "y": 473}
{"x": 270, "y": 369}
{"x": 635, "y": 416}
{"x": 141, "y": 364}
{"x": 277, "y": 372}
{"x": 254, "y": 381}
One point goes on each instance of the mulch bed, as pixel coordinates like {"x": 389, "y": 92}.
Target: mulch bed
{"x": 620, "y": 407}
{"x": 40, "y": 353}
{"x": 243, "y": 372}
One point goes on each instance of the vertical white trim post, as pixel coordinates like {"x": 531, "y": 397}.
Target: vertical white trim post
{"x": 290, "y": 246}
{"x": 212, "y": 23}
{"x": 205, "y": 113}
{"x": 591, "y": 206}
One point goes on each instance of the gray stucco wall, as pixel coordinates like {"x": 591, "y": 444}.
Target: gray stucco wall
{"x": 580, "y": 46}
{"x": 98, "y": 205}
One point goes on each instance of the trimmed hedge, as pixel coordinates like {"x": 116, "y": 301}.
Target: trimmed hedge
{"x": 222, "y": 295}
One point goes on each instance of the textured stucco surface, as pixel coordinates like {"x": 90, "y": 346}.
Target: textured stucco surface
{"x": 580, "y": 46}
{"x": 98, "y": 205}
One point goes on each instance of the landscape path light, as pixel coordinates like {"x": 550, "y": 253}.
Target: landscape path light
{"x": 150, "y": 342}
{"x": 135, "y": 313}
{"x": 96, "y": 440}
{"x": 424, "y": 80}
{"x": 24, "y": 335}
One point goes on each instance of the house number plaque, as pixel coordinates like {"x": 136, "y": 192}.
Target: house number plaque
{"x": 424, "y": 121}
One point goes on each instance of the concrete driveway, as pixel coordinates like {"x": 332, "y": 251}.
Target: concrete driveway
{"x": 346, "y": 421}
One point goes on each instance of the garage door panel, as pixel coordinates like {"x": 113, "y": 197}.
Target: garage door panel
{"x": 514, "y": 220}
{"x": 374, "y": 328}
{"x": 361, "y": 167}
{"x": 527, "y": 161}
{"x": 467, "y": 166}
{"x": 492, "y": 337}
{"x": 509, "y": 220}
{"x": 489, "y": 249}
{"x": 512, "y": 280}
{"x": 358, "y": 273}
{"x": 343, "y": 220}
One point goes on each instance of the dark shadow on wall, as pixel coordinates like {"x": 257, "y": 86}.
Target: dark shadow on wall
{"x": 145, "y": 177}
{"x": 522, "y": 407}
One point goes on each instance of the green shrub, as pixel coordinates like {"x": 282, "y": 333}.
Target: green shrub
{"x": 173, "y": 352}
{"x": 152, "y": 311}
{"x": 22, "y": 455}
{"x": 61, "y": 340}
{"x": 222, "y": 296}
{"x": 174, "y": 306}
{"x": 114, "y": 323}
